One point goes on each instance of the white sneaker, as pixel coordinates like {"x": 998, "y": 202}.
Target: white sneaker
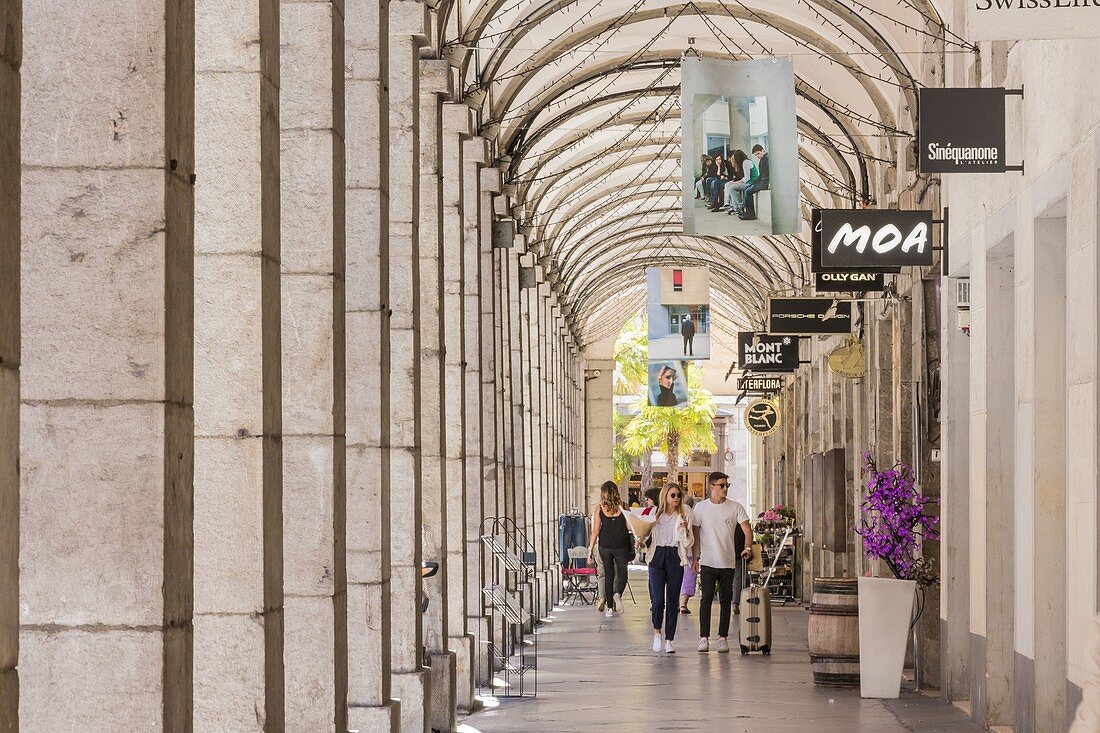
{"x": 618, "y": 604}
{"x": 723, "y": 645}
{"x": 704, "y": 645}
{"x": 668, "y": 648}
{"x": 609, "y": 613}
{"x": 656, "y": 642}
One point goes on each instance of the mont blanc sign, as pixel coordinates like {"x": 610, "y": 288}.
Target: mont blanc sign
{"x": 1019, "y": 20}
{"x": 759, "y": 352}
{"x": 809, "y": 316}
{"x": 870, "y": 238}
{"x": 962, "y": 130}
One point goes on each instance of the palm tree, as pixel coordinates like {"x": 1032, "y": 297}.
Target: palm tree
{"x": 674, "y": 431}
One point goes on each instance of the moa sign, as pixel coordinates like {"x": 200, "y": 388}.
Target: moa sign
{"x": 874, "y": 238}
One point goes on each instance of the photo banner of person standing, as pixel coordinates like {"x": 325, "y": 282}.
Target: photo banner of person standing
{"x": 678, "y": 312}
{"x": 740, "y": 147}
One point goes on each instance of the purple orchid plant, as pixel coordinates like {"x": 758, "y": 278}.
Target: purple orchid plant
{"x": 895, "y": 520}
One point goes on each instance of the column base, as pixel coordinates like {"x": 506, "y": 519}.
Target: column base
{"x": 442, "y": 704}
{"x": 482, "y": 665}
{"x": 412, "y": 690}
{"x": 465, "y": 684}
{"x": 375, "y": 719}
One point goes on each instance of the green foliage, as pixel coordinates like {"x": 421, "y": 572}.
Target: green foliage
{"x": 688, "y": 428}
{"x": 632, "y": 356}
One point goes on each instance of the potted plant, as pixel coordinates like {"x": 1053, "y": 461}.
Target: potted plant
{"x": 895, "y": 519}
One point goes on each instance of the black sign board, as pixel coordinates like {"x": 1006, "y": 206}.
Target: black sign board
{"x": 847, "y": 281}
{"x": 759, "y": 352}
{"x": 760, "y": 384}
{"x": 809, "y": 315}
{"x": 961, "y": 131}
{"x": 815, "y": 249}
{"x": 871, "y": 238}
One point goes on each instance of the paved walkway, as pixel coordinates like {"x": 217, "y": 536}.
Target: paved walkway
{"x": 600, "y": 675}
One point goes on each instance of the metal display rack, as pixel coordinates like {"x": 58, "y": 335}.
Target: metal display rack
{"x": 512, "y": 649}
{"x": 781, "y": 568}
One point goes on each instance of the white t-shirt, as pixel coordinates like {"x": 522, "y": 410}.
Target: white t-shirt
{"x": 664, "y": 531}
{"x": 717, "y": 525}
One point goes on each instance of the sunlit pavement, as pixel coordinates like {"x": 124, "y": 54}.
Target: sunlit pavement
{"x": 600, "y": 674}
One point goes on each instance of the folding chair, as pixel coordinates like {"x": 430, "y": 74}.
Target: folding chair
{"x": 577, "y": 576}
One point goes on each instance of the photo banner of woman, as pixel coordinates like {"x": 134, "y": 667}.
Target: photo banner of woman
{"x": 667, "y": 384}
{"x": 678, "y": 312}
{"x": 740, "y": 147}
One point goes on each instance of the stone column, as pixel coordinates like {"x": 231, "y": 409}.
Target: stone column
{"x": 370, "y": 706}
{"x": 599, "y": 434}
{"x": 11, "y": 52}
{"x": 105, "y": 597}
{"x": 490, "y": 429}
{"x": 435, "y": 85}
{"x": 518, "y": 372}
{"x": 314, "y": 498}
{"x": 238, "y": 411}
{"x": 408, "y": 23}
{"x": 475, "y": 154}
{"x": 456, "y": 127}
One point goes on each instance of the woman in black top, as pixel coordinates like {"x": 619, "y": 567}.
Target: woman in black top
{"x": 616, "y": 545}
{"x": 666, "y": 397}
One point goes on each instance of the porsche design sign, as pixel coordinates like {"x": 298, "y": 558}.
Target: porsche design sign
{"x": 809, "y": 316}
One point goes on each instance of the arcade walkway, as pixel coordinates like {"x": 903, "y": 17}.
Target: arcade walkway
{"x": 598, "y": 674}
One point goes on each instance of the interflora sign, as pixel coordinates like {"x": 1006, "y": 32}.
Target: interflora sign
{"x": 760, "y": 384}
{"x": 1021, "y": 20}
{"x": 962, "y": 130}
{"x": 759, "y": 352}
{"x": 870, "y": 238}
{"x": 809, "y": 316}
{"x": 762, "y": 417}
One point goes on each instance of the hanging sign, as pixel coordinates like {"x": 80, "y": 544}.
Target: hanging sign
{"x": 815, "y": 249}
{"x": 862, "y": 238}
{"x": 849, "y": 281}
{"x": 849, "y": 360}
{"x": 760, "y": 384}
{"x": 761, "y": 417}
{"x": 1023, "y": 20}
{"x": 759, "y": 352}
{"x": 962, "y": 130}
{"x": 809, "y": 315}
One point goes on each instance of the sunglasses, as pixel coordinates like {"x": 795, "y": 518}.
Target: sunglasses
{"x": 721, "y": 486}
{"x": 673, "y": 496}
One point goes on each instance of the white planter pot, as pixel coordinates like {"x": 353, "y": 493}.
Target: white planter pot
{"x": 885, "y": 610}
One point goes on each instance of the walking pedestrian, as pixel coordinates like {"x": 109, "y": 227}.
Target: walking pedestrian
{"x": 691, "y": 578}
{"x": 687, "y": 331}
{"x": 610, "y": 530}
{"x": 673, "y": 539}
{"x": 716, "y": 520}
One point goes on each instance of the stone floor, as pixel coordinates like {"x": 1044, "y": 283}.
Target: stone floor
{"x": 599, "y": 674}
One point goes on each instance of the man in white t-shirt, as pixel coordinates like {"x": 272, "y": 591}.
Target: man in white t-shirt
{"x": 715, "y": 555}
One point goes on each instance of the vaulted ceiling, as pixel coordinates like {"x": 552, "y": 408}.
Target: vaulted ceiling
{"x": 582, "y": 98}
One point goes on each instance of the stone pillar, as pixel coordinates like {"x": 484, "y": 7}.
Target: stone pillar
{"x": 370, "y": 706}
{"x": 518, "y": 370}
{"x": 408, "y": 23}
{"x": 435, "y": 85}
{"x": 314, "y": 497}
{"x": 599, "y": 434}
{"x": 105, "y": 597}
{"x": 490, "y": 430}
{"x": 456, "y": 127}
{"x": 475, "y": 154}
{"x": 238, "y": 412}
{"x": 11, "y": 52}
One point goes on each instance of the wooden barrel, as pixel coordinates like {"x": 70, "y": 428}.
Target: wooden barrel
{"x": 834, "y": 632}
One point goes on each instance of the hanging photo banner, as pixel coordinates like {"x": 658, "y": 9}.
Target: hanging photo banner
{"x": 874, "y": 238}
{"x": 809, "y": 316}
{"x": 762, "y": 417}
{"x": 740, "y": 147}
{"x": 1025, "y": 20}
{"x": 668, "y": 384}
{"x": 854, "y": 281}
{"x": 815, "y": 249}
{"x": 760, "y": 352}
{"x": 962, "y": 130}
{"x": 760, "y": 384}
{"x": 678, "y": 311}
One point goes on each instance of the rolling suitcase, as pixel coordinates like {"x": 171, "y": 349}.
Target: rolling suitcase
{"x": 756, "y": 619}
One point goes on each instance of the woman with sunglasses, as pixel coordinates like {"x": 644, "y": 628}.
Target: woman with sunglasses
{"x": 666, "y": 379}
{"x": 670, "y": 552}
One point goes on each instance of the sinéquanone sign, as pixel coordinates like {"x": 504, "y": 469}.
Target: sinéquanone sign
{"x": 760, "y": 352}
{"x": 1018, "y": 20}
{"x": 809, "y": 315}
{"x": 961, "y": 131}
{"x": 841, "y": 281}
{"x": 869, "y": 238}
